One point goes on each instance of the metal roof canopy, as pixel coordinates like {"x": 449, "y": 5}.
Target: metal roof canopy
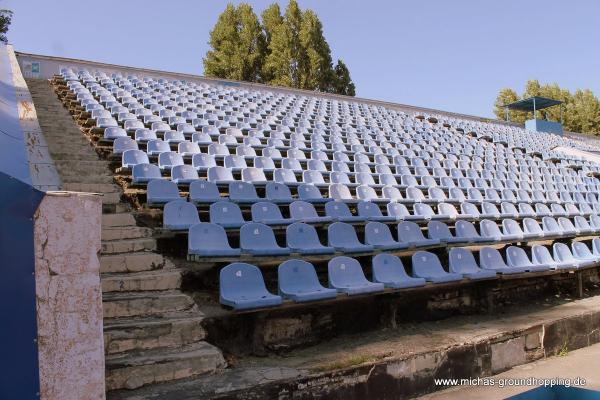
{"x": 533, "y": 103}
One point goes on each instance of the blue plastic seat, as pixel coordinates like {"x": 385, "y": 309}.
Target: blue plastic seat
{"x": 243, "y": 192}
{"x": 340, "y": 192}
{"x": 491, "y": 232}
{"x": 411, "y": 234}
{"x": 551, "y": 227}
{"x": 298, "y": 281}
{"x": 462, "y": 261}
{"x": 121, "y": 145}
{"x": 268, "y": 213}
{"x": 161, "y": 191}
{"x": 343, "y": 237}
{"x": 204, "y": 192}
{"x": 203, "y": 162}
{"x": 400, "y": 212}
{"x": 131, "y": 158}
{"x": 254, "y": 175}
{"x": 466, "y": 230}
{"x": 541, "y": 255}
{"x": 427, "y": 265}
{"x": 516, "y": 257}
{"x": 235, "y": 162}
{"x": 305, "y": 212}
{"x": 311, "y": 194}
{"x": 169, "y": 159}
{"x": 226, "y": 214}
{"x": 340, "y": 211}
{"x": 346, "y": 276}
{"x": 490, "y": 258}
{"x": 440, "y": 231}
{"x": 180, "y": 215}
{"x": 582, "y": 252}
{"x": 389, "y": 270}
{"x": 303, "y": 238}
{"x": 155, "y": 147}
{"x": 210, "y": 240}
{"x": 259, "y": 240}
{"x": 278, "y": 193}
{"x": 144, "y": 173}
{"x": 378, "y": 235}
{"x": 371, "y": 212}
{"x": 285, "y": 176}
{"x": 184, "y": 174}
{"x": 220, "y": 175}
{"x": 242, "y": 287}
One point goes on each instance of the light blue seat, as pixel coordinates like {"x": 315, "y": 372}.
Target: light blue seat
{"x": 278, "y": 193}
{"x": 582, "y": 252}
{"x": 517, "y": 257}
{"x": 389, "y": 270}
{"x": 440, "y": 231}
{"x": 259, "y": 240}
{"x": 285, "y": 176}
{"x": 411, "y": 234}
{"x": 210, "y": 240}
{"x": 184, "y": 174}
{"x": 343, "y": 237}
{"x": 131, "y": 158}
{"x": 491, "y": 232}
{"x": 298, "y": 281}
{"x": 204, "y": 192}
{"x": 583, "y": 225}
{"x": 341, "y": 192}
{"x": 340, "y": 211}
{"x": 427, "y": 265}
{"x": 305, "y": 212}
{"x": 188, "y": 149}
{"x": 254, "y": 175}
{"x": 180, "y": 215}
{"x": 226, "y": 214}
{"x": 401, "y": 213}
{"x": 161, "y": 191}
{"x": 303, "y": 238}
{"x": 122, "y": 144}
{"x": 426, "y": 212}
{"x": 243, "y": 192}
{"x": 203, "y": 162}
{"x": 512, "y": 227}
{"x": 169, "y": 159}
{"x": 466, "y": 230}
{"x": 462, "y": 261}
{"x": 144, "y": 135}
{"x": 346, "y": 276}
{"x": 532, "y": 228}
{"x": 113, "y": 133}
{"x": 175, "y": 137}
{"x": 144, "y": 173}
{"x": 371, "y": 212}
{"x": 541, "y": 255}
{"x": 311, "y": 194}
{"x": 551, "y": 227}
{"x": 242, "y": 287}
{"x": 567, "y": 226}
{"x": 219, "y": 175}
{"x": 268, "y": 213}
{"x": 378, "y": 235}
{"x": 155, "y": 147}
{"x": 490, "y": 258}
{"x": 264, "y": 163}
{"x": 562, "y": 253}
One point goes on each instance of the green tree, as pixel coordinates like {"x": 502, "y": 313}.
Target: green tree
{"x": 583, "y": 113}
{"x": 343, "y": 83}
{"x": 5, "y": 20}
{"x": 507, "y": 96}
{"x": 318, "y": 72}
{"x": 238, "y": 45}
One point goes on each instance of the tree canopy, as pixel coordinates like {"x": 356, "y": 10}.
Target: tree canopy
{"x": 5, "y": 20}
{"x": 286, "y": 49}
{"x": 581, "y": 110}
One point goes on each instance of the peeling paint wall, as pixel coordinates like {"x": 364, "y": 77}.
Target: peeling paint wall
{"x": 68, "y": 296}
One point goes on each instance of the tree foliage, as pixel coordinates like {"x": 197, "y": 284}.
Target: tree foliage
{"x": 285, "y": 50}
{"x": 5, "y": 20}
{"x": 581, "y": 110}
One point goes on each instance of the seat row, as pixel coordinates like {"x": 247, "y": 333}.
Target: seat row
{"x": 242, "y": 285}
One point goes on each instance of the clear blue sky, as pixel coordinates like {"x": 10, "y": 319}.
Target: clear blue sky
{"x": 451, "y": 55}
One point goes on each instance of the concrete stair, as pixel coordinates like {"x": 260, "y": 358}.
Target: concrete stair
{"x": 152, "y": 330}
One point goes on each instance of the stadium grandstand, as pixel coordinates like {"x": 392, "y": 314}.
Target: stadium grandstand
{"x": 196, "y": 238}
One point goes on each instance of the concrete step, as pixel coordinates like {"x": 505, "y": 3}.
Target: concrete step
{"x": 117, "y": 208}
{"x": 168, "y": 331}
{"x": 114, "y": 220}
{"x": 161, "y": 279}
{"x": 125, "y": 232}
{"x": 132, "y": 262}
{"x": 127, "y": 245}
{"x": 93, "y": 188}
{"x": 147, "y": 303}
{"x": 136, "y": 369}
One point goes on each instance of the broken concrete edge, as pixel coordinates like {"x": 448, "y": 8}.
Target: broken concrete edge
{"x": 67, "y": 227}
{"x": 403, "y": 376}
{"x": 44, "y": 175}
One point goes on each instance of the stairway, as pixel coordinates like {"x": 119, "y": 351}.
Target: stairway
{"x": 152, "y": 330}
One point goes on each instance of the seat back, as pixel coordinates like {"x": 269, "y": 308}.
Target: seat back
{"x": 425, "y": 263}
{"x": 309, "y": 192}
{"x": 301, "y": 209}
{"x": 161, "y": 188}
{"x": 377, "y": 233}
{"x": 336, "y": 209}
{"x": 224, "y": 212}
{"x": 180, "y": 213}
{"x": 300, "y": 235}
{"x": 345, "y": 271}
{"x": 397, "y": 210}
{"x": 257, "y": 236}
{"x": 276, "y": 191}
{"x": 367, "y": 209}
{"x": 516, "y": 257}
{"x": 265, "y": 211}
{"x": 242, "y": 191}
{"x": 462, "y": 261}
{"x": 466, "y": 229}
{"x": 512, "y": 227}
{"x": 409, "y": 232}
{"x": 562, "y": 252}
{"x": 491, "y": 258}
{"x": 541, "y": 255}
{"x": 238, "y": 280}
{"x": 341, "y": 234}
{"x": 297, "y": 275}
{"x": 338, "y": 191}
{"x": 388, "y": 268}
{"x": 207, "y": 236}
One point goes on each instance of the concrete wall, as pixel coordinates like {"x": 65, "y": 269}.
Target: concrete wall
{"x": 541, "y": 125}
{"x": 68, "y": 296}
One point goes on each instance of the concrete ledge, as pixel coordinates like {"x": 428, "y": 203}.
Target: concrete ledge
{"x": 403, "y": 363}
{"x": 69, "y": 297}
